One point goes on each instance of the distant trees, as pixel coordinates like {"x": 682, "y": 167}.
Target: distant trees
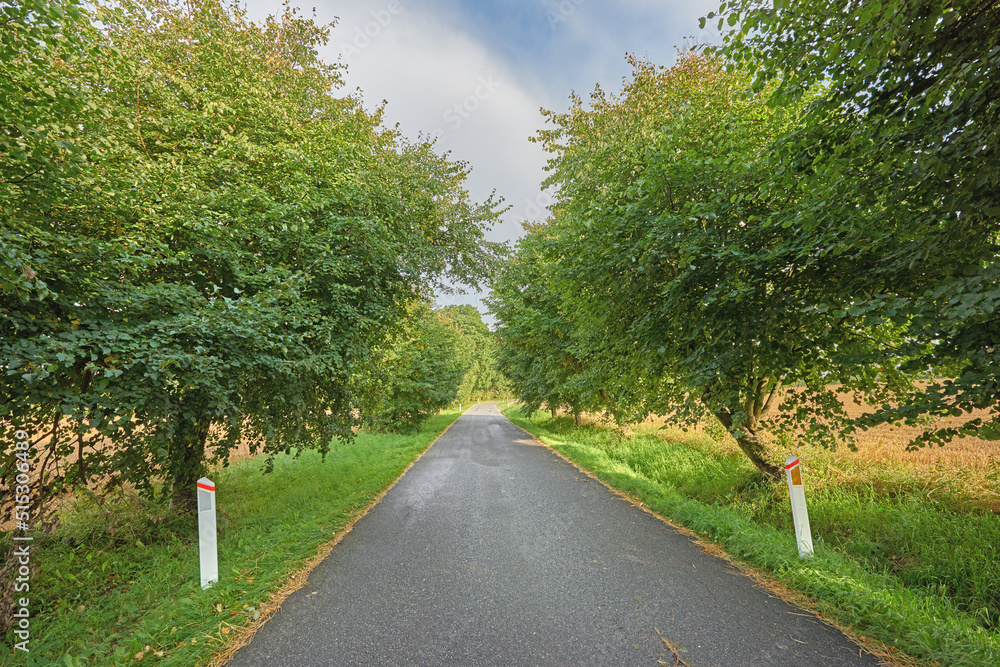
{"x": 477, "y": 349}
{"x": 201, "y": 241}
{"x": 437, "y": 358}
{"x": 416, "y": 375}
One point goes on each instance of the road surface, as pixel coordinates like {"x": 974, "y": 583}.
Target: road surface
{"x": 492, "y": 550}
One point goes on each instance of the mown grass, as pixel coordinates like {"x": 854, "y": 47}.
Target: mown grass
{"x": 910, "y": 561}
{"x": 118, "y": 583}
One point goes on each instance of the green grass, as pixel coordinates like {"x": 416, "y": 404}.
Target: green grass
{"x": 913, "y": 567}
{"x": 116, "y": 579}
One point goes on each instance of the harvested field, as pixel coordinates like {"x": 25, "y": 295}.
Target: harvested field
{"x": 58, "y": 466}
{"x": 886, "y": 446}
{"x": 969, "y": 464}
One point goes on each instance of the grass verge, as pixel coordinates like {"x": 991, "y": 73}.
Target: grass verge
{"x": 118, "y": 583}
{"x": 917, "y": 573}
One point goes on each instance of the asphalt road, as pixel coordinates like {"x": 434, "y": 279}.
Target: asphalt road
{"x": 491, "y": 550}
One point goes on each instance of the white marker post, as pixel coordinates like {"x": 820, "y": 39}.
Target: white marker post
{"x": 803, "y": 536}
{"x": 208, "y": 547}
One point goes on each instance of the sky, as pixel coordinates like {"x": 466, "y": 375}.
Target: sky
{"x": 476, "y": 74}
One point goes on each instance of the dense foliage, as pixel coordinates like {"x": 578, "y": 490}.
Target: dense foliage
{"x": 708, "y": 251}
{"x": 899, "y": 161}
{"x": 417, "y": 374}
{"x": 667, "y": 257}
{"x": 813, "y": 203}
{"x": 477, "y": 353}
{"x": 202, "y": 241}
{"x": 537, "y": 349}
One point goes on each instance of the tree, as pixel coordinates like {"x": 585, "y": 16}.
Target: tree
{"x": 40, "y": 109}
{"x": 668, "y": 241}
{"x": 477, "y": 352}
{"x": 898, "y": 152}
{"x": 418, "y": 374}
{"x": 537, "y": 344}
{"x": 236, "y": 243}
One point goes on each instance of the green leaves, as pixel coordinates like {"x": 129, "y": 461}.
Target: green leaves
{"x": 537, "y": 347}
{"x": 217, "y": 251}
{"x": 670, "y": 281}
{"x": 478, "y": 353}
{"x": 903, "y": 166}
{"x": 418, "y": 373}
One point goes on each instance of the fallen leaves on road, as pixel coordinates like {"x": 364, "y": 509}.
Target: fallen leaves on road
{"x": 678, "y": 660}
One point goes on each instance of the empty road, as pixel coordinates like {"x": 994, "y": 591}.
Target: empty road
{"x": 492, "y": 550}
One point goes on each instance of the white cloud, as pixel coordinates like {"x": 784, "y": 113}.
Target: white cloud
{"x": 477, "y": 73}
{"x": 440, "y": 82}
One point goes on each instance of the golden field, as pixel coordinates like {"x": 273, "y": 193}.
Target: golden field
{"x": 966, "y": 467}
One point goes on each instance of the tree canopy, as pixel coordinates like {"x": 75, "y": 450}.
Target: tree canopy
{"x": 898, "y": 156}
{"x": 537, "y": 352}
{"x": 811, "y": 204}
{"x": 204, "y": 241}
{"x": 477, "y": 352}
{"x": 417, "y": 373}
{"x": 670, "y": 254}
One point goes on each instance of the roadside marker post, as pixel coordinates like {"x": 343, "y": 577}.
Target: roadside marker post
{"x": 208, "y": 545}
{"x": 800, "y": 516}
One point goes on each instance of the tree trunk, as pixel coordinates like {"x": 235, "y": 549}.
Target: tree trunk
{"x": 187, "y": 460}
{"x": 751, "y": 445}
{"x": 578, "y": 418}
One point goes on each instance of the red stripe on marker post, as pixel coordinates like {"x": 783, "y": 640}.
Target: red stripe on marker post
{"x": 208, "y": 544}
{"x": 791, "y": 463}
